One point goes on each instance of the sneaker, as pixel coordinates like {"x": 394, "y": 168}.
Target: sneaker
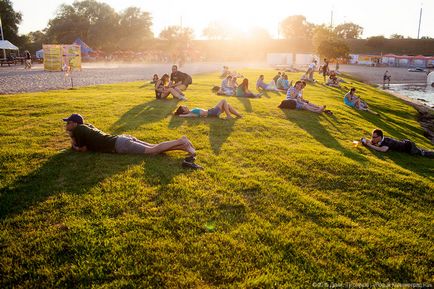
{"x": 191, "y": 165}
{"x": 190, "y": 159}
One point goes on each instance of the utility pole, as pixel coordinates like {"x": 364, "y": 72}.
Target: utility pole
{"x": 1, "y": 30}
{"x": 420, "y": 19}
{"x": 331, "y": 19}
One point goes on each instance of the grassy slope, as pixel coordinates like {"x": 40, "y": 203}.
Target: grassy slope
{"x": 285, "y": 199}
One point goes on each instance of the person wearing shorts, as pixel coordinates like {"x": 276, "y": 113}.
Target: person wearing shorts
{"x": 222, "y": 106}
{"x": 85, "y": 137}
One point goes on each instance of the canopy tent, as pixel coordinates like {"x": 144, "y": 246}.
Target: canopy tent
{"x": 40, "y": 53}
{"x": 4, "y": 44}
{"x": 85, "y": 49}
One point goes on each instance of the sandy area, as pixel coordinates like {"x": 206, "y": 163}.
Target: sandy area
{"x": 15, "y": 79}
{"x": 375, "y": 74}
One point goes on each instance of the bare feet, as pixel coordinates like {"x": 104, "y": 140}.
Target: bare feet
{"x": 189, "y": 146}
{"x": 229, "y": 117}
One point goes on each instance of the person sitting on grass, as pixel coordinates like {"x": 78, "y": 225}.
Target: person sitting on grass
{"x": 162, "y": 90}
{"x": 295, "y": 94}
{"x": 222, "y": 106}
{"x": 352, "y": 100}
{"x": 85, "y": 137}
{"x": 383, "y": 144}
{"x": 282, "y": 83}
{"x": 243, "y": 90}
{"x": 225, "y": 72}
{"x": 277, "y": 76}
{"x": 333, "y": 81}
{"x": 226, "y": 87}
{"x": 179, "y": 80}
{"x": 261, "y": 85}
{"x": 154, "y": 79}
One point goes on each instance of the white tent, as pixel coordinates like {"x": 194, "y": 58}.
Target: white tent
{"x": 40, "y": 54}
{"x": 4, "y": 44}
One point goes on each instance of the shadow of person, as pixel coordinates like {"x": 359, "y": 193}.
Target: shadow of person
{"x": 419, "y": 165}
{"x": 149, "y": 112}
{"x": 310, "y": 123}
{"x": 219, "y": 131}
{"x": 67, "y": 171}
{"x": 147, "y": 84}
{"x": 267, "y": 92}
{"x": 246, "y": 102}
{"x": 219, "y": 128}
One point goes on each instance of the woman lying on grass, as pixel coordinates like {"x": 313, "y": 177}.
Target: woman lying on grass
{"x": 222, "y": 106}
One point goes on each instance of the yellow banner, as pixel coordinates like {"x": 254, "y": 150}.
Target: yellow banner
{"x": 52, "y": 57}
{"x": 72, "y": 56}
{"x": 62, "y": 57}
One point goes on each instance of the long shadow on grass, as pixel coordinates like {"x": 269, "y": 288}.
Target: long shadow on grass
{"x": 219, "y": 129}
{"x": 246, "y": 102}
{"x": 310, "y": 123}
{"x": 68, "y": 172}
{"x": 149, "y": 112}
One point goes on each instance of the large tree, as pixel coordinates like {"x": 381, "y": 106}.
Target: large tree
{"x": 296, "y": 27}
{"x": 10, "y": 21}
{"x": 348, "y": 31}
{"x": 178, "y": 41}
{"x": 333, "y": 49}
{"x": 135, "y": 28}
{"x": 100, "y": 26}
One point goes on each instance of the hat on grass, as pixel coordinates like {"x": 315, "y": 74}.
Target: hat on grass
{"x": 75, "y": 117}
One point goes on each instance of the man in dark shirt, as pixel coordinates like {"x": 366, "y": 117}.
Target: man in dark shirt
{"x": 179, "y": 80}
{"x": 383, "y": 144}
{"x": 86, "y": 137}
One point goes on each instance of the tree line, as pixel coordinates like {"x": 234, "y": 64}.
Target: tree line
{"x": 100, "y": 26}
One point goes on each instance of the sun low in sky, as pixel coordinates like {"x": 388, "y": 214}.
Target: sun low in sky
{"x": 376, "y": 17}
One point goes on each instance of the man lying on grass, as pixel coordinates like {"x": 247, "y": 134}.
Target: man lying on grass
{"x": 86, "y": 137}
{"x": 383, "y": 144}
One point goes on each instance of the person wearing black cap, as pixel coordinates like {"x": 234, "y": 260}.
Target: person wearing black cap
{"x": 86, "y": 137}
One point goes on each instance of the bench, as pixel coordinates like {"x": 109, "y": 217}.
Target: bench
{"x": 7, "y": 61}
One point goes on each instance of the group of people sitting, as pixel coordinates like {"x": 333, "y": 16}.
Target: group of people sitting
{"x": 175, "y": 85}
{"x": 230, "y": 87}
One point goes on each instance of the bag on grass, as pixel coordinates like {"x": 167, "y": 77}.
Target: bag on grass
{"x": 288, "y": 104}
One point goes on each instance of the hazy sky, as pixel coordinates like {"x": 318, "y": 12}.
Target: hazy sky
{"x": 377, "y": 17}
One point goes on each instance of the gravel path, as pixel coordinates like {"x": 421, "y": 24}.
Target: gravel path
{"x": 15, "y": 79}
{"x": 375, "y": 74}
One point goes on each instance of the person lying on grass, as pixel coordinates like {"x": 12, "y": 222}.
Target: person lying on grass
{"x": 222, "y": 106}
{"x": 352, "y": 100}
{"x": 383, "y": 144}
{"x": 85, "y": 137}
{"x": 295, "y": 94}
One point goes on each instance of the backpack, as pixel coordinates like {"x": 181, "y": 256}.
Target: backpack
{"x": 288, "y": 103}
{"x": 188, "y": 80}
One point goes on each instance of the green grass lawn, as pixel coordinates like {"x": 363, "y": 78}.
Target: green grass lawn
{"x": 284, "y": 201}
